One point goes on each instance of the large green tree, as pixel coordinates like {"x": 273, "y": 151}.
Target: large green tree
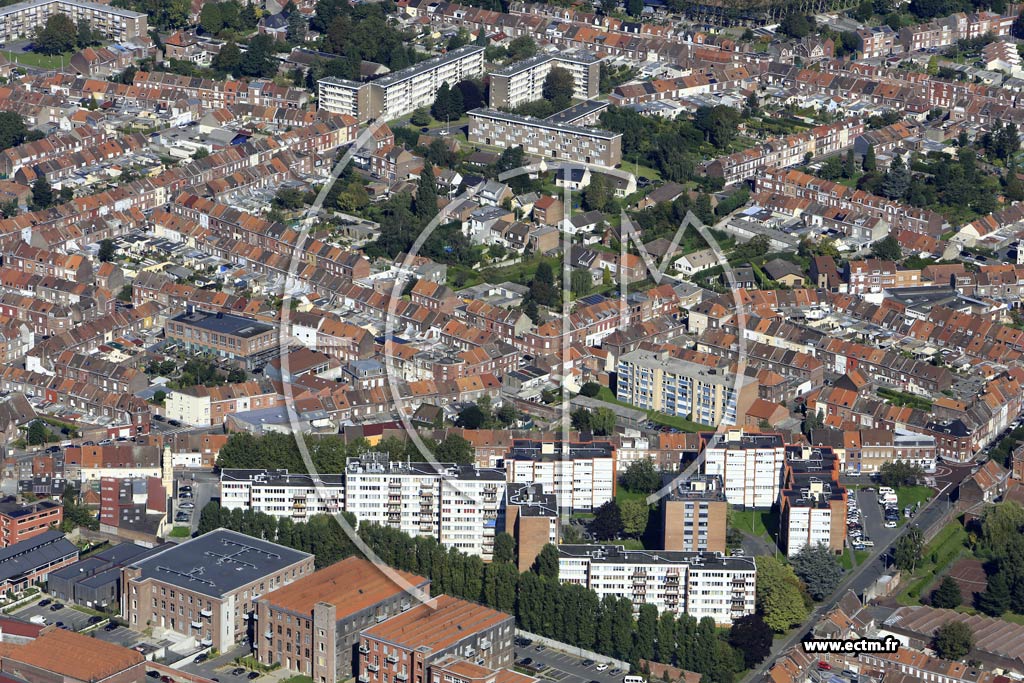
{"x": 953, "y": 640}
{"x": 909, "y": 549}
{"x": 779, "y": 594}
{"x": 56, "y": 36}
{"x": 753, "y": 637}
{"x": 947, "y": 595}
{"x": 819, "y": 569}
{"x": 558, "y": 87}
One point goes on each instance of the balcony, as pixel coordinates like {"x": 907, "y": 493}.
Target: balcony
{"x": 401, "y": 676}
{"x": 206, "y": 613}
{"x": 391, "y": 658}
{"x": 485, "y": 644}
{"x": 364, "y": 649}
{"x": 268, "y": 634}
{"x": 373, "y": 668}
{"x": 197, "y": 624}
{"x": 363, "y": 678}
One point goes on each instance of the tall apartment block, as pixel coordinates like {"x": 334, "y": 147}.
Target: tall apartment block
{"x": 698, "y": 584}
{"x": 523, "y": 81}
{"x": 405, "y": 648}
{"x": 812, "y": 502}
{"x": 694, "y": 514}
{"x": 456, "y": 504}
{"x": 654, "y": 380}
{"x": 312, "y": 625}
{"x": 281, "y": 494}
{"x": 402, "y": 92}
{"x": 750, "y": 465}
{"x": 531, "y": 518}
{"x": 539, "y": 137}
{"x": 582, "y": 476}
{"x": 19, "y": 21}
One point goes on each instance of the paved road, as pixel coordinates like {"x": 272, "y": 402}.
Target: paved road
{"x": 204, "y": 485}
{"x": 72, "y": 618}
{"x": 220, "y": 668}
{"x": 865, "y": 574}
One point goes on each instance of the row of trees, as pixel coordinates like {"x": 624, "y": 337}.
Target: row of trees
{"x": 542, "y": 605}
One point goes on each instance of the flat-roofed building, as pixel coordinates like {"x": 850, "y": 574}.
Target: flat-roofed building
{"x": 694, "y": 515}
{"x": 655, "y": 380}
{"x": 698, "y": 584}
{"x": 581, "y": 474}
{"x": 458, "y": 505}
{"x": 812, "y": 501}
{"x": 531, "y": 518}
{"x": 539, "y": 137}
{"x": 31, "y": 561}
{"x": 22, "y": 521}
{"x": 207, "y": 586}
{"x": 404, "y": 648}
{"x": 20, "y": 20}
{"x": 225, "y": 335}
{"x": 280, "y": 493}
{"x": 523, "y": 81}
{"x": 400, "y": 93}
{"x": 750, "y": 465}
{"x": 312, "y": 626}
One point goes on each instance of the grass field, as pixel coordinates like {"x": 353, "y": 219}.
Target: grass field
{"x": 680, "y": 423}
{"x": 911, "y": 495}
{"x": 846, "y": 560}
{"x": 181, "y": 532}
{"x": 37, "y": 60}
{"x": 947, "y": 546}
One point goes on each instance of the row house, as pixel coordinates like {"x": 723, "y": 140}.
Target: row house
{"x": 53, "y": 146}
{"x": 102, "y": 373}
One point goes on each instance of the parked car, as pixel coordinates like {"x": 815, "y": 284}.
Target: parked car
{"x": 153, "y": 674}
{"x": 602, "y": 666}
{"x": 588, "y": 662}
{"x": 112, "y": 626}
{"x": 44, "y": 603}
{"x": 186, "y": 506}
{"x": 540, "y": 648}
{"x": 237, "y": 671}
{"x": 890, "y": 524}
{"x": 525, "y": 661}
{"x": 868, "y": 542}
{"x": 201, "y": 657}
{"x": 824, "y": 666}
{"x": 56, "y": 607}
{"x": 253, "y": 675}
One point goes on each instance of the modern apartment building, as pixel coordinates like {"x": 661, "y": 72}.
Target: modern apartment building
{"x": 523, "y": 81}
{"x": 207, "y": 587}
{"x": 456, "y": 504}
{"x": 224, "y": 335}
{"x": 694, "y": 514}
{"x": 22, "y": 521}
{"x": 654, "y": 380}
{"x": 545, "y": 138}
{"x": 812, "y": 502}
{"x": 19, "y": 21}
{"x": 403, "y": 648}
{"x": 402, "y": 92}
{"x": 531, "y": 517}
{"x": 698, "y": 584}
{"x": 282, "y": 494}
{"x": 27, "y": 563}
{"x": 312, "y": 625}
{"x": 582, "y": 476}
{"x": 750, "y": 465}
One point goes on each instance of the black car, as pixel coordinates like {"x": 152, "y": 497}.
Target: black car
{"x": 56, "y": 607}
{"x": 201, "y": 658}
{"x": 110, "y": 627}
{"x": 588, "y": 662}
{"x": 237, "y": 671}
{"x": 159, "y": 418}
{"x": 525, "y": 661}
{"x": 175, "y": 423}
{"x": 59, "y": 624}
{"x": 253, "y": 675}
{"x": 44, "y": 603}
{"x": 153, "y": 674}
{"x": 95, "y": 619}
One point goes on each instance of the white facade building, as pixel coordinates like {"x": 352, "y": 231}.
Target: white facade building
{"x": 582, "y": 481}
{"x": 698, "y": 584}
{"x": 281, "y": 494}
{"x": 750, "y": 466}
{"x": 523, "y": 81}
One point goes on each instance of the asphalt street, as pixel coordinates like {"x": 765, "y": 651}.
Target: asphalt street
{"x": 221, "y": 668}
{"x": 865, "y": 574}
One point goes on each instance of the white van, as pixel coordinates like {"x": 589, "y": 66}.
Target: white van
{"x": 882, "y": 490}
{"x": 633, "y": 679}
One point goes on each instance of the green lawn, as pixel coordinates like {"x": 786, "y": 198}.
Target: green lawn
{"x": 299, "y": 678}
{"x": 622, "y": 495}
{"x": 947, "y": 546}
{"x": 40, "y": 61}
{"x": 181, "y": 532}
{"x": 910, "y": 495}
{"x": 860, "y": 555}
{"x": 846, "y": 560}
{"x": 680, "y": 423}
{"x": 755, "y": 522}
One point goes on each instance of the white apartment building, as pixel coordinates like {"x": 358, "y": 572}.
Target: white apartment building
{"x": 582, "y": 479}
{"x": 281, "y": 494}
{"x": 809, "y": 522}
{"x": 19, "y": 21}
{"x": 750, "y": 466}
{"x": 698, "y": 584}
{"x": 402, "y": 92}
{"x": 523, "y": 81}
{"x": 457, "y": 504}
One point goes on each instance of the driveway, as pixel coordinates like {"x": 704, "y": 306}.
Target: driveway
{"x": 220, "y": 667}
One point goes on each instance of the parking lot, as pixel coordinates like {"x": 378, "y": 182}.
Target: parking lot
{"x": 221, "y": 668}
{"x": 554, "y": 665}
{"x": 72, "y": 618}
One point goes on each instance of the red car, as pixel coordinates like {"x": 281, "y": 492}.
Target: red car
{"x": 824, "y": 666}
